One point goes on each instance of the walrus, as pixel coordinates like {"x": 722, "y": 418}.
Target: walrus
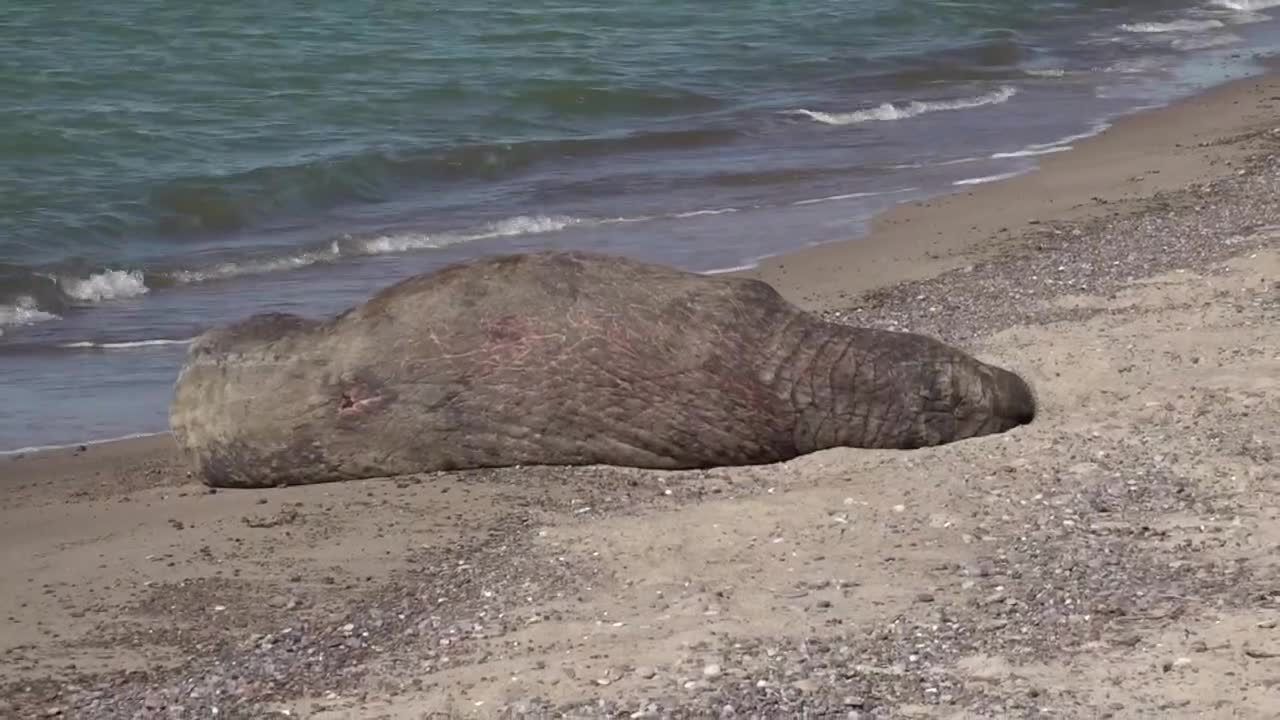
{"x": 567, "y": 358}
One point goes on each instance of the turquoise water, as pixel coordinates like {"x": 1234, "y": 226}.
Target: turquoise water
{"x": 165, "y": 166}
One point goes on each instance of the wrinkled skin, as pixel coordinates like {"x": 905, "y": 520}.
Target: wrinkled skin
{"x": 567, "y": 359}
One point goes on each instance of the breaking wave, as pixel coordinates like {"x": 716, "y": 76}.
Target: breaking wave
{"x": 404, "y": 242}
{"x": 890, "y": 111}
{"x": 23, "y": 311}
{"x": 236, "y": 268}
{"x": 106, "y": 285}
{"x": 41, "y": 295}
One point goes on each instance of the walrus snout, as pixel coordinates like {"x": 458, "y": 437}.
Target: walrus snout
{"x": 1012, "y": 402}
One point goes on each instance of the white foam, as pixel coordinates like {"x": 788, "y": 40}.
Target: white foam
{"x": 956, "y": 161}
{"x": 1135, "y": 66}
{"x": 990, "y": 178}
{"x": 1246, "y": 5}
{"x": 87, "y": 443}
{"x": 1062, "y": 144}
{"x": 528, "y": 225}
{"x": 1097, "y": 129}
{"x": 699, "y": 213}
{"x": 519, "y": 225}
{"x": 402, "y": 242}
{"x": 851, "y": 196}
{"x": 1031, "y": 152}
{"x": 379, "y": 245}
{"x": 889, "y": 111}
{"x": 1175, "y": 26}
{"x": 257, "y": 267}
{"x": 1247, "y": 17}
{"x": 735, "y": 268}
{"x": 1047, "y": 73}
{"x": 125, "y": 345}
{"x": 23, "y": 312}
{"x": 106, "y": 285}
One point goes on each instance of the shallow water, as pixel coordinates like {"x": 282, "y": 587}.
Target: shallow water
{"x": 166, "y": 167}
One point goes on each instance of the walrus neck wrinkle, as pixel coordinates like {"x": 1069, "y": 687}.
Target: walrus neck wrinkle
{"x": 813, "y": 377}
{"x": 862, "y": 387}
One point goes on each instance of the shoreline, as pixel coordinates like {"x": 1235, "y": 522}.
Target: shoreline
{"x": 34, "y": 449}
{"x": 1140, "y": 154}
{"x": 1124, "y": 536}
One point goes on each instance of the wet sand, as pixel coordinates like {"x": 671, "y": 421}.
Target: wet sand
{"x": 1116, "y": 558}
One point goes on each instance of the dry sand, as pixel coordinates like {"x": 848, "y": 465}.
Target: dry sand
{"x": 1116, "y": 558}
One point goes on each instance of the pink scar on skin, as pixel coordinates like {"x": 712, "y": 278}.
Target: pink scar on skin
{"x": 357, "y": 400}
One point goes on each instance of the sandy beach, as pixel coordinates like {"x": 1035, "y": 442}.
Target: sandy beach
{"x": 1116, "y": 558}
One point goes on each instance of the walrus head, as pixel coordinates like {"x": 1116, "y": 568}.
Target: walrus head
{"x": 962, "y": 397}
{"x": 275, "y": 436}
{"x": 901, "y": 390}
{"x": 971, "y": 399}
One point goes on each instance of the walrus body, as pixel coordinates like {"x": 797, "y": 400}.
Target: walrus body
{"x": 561, "y": 358}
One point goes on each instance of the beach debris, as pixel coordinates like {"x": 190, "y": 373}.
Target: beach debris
{"x": 287, "y": 516}
{"x": 696, "y": 685}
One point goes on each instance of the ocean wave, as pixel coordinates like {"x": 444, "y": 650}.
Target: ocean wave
{"x": 23, "y": 311}
{"x": 404, "y": 242}
{"x": 1174, "y": 26}
{"x": 380, "y": 244}
{"x": 890, "y": 111}
{"x": 260, "y": 266}
{"x": 105, "y": 285}
{"x": 398, "y": 243}
{"x": 991, "y": 58}
{"x": 233, "y": 202}
{"x": 573, "y": 98}
{"x": 38, "y": 295}
{"x": 528, "y": 225}
{"x": 42, "y": 294}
